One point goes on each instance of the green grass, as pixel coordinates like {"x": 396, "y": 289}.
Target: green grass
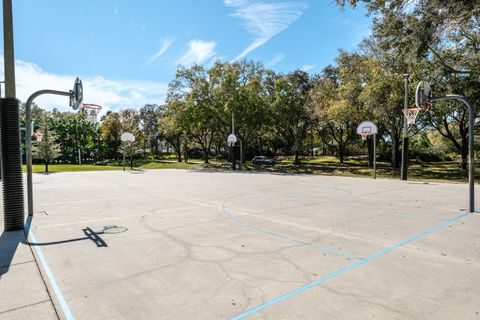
{"x": 70, "y": 168}
{"x": 448, "y": 171}
{"x": 166, "y": 165}
{"x": 114, "y": 165}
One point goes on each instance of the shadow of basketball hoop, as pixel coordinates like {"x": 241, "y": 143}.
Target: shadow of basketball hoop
{"x": 136, "y": 171}
{"x": 89, "y": 235}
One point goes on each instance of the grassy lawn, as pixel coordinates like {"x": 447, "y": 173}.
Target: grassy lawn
{"x": 423, "y": 171}
{"x": 448, "y": 171}
{"x": 69, "y": 167}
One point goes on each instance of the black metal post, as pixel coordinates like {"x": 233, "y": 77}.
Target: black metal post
{"x": 13, "y": 203}
{"x": 234, "y": 160}
{"x": 471, "y": 137}
{"x": 404, "y": 168}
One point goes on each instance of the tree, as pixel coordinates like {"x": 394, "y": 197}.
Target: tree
{"x": 191, "y": 92}
{"x": 291, "y": 109}
{"x": 445, "y": 30}
{"x": 131, "y": 122}
{"x": 439, "y": 41}
{"x": 110, "y": 131}
{"x": 150, "y": 114}
{"x": 169, "y": 129}
{"x": 75, "y": 134}
{"x": 451, "y": 118}
{"x": 237, "y": 90}
{"x": 336, "y": 103}
{"x": 45, "y": 147}
{"x": 383, "y": 95}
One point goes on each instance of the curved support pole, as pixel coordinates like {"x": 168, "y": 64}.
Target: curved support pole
{"x": 28, "y": 141}
{"x": 471, "y": 137}
{"x": 241, "y": 153}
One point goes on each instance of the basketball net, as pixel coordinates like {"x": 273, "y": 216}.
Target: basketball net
{"x": 411, "y": 114}
{"x": 91, "y": 111}
{"x": 364, "y": 135}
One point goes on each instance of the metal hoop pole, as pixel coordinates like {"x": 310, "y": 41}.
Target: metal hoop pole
{"x": 404, "y": 167}
{"x": 374, "y": 156}
{"x": 241, "y": 154}
{"x": 28, "y": 141}
{"x": 471, "y": 137}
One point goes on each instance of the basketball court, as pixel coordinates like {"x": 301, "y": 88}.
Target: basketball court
{"x": 177, "y": 244}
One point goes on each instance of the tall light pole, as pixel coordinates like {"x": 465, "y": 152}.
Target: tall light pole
{"x": 13, "y": 203}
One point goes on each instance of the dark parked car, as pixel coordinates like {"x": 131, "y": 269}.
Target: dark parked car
{"x": 262, "y": 160}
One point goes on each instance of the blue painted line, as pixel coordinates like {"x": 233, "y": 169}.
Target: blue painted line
{"x": 51, "y": 278}
{"x": 349, "y": 267}
{"x": 283, "y": 236}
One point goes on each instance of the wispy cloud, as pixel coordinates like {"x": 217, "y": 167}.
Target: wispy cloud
{"x": 275, "y": 60}
{"x": 111, "y": 94}
{"x": 115, "y": 8}
{"x": 307, "y": 67}
{"x": 359, "y": 31}
{"x": 164, "y": 46}
{"x": 198, "y": 52}
{"x": 265, "y": 20}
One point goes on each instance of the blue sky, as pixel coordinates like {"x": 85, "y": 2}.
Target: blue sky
{"x": 127, "y": 51}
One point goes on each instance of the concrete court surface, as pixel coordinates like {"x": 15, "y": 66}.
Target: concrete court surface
{"x": 177, "y": 244}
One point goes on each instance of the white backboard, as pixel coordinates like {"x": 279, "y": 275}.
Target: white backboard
{"x": 232, "y": 138}
{"x": 367, "y": 127}
{"x": 127, "y": 137}
{"x": 422, "y": 94}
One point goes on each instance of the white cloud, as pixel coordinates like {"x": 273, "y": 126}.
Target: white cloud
{"x": 359, "y": 31}
{"x": 164, "y": 46}
{"x": 110, "y": 94}
{"x": 234, "y": 3}
{"x": 308, "y": 67}
{"x": 198, "y": 52}
{"x": 275, "y": 60}
{"x": 265, "y": 20}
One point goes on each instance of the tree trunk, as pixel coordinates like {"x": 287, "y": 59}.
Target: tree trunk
{"x": 341, "y": 153}
{"x": 179, "y": 155}
{"x": 205, "y": 155}
{"x": 297, "y": 159}
{"x": 46, "y": 166}
{"x": 395, "y": 143}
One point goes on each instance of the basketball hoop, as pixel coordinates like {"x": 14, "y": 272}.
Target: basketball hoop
{"x": 91, "y": 110}
{"x": 366, "y": 128}
{"x": 411, "y": 114}
{"x": 232, "y": 138}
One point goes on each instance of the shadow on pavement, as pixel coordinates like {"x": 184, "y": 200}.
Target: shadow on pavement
{"x": 10, "y": 241}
